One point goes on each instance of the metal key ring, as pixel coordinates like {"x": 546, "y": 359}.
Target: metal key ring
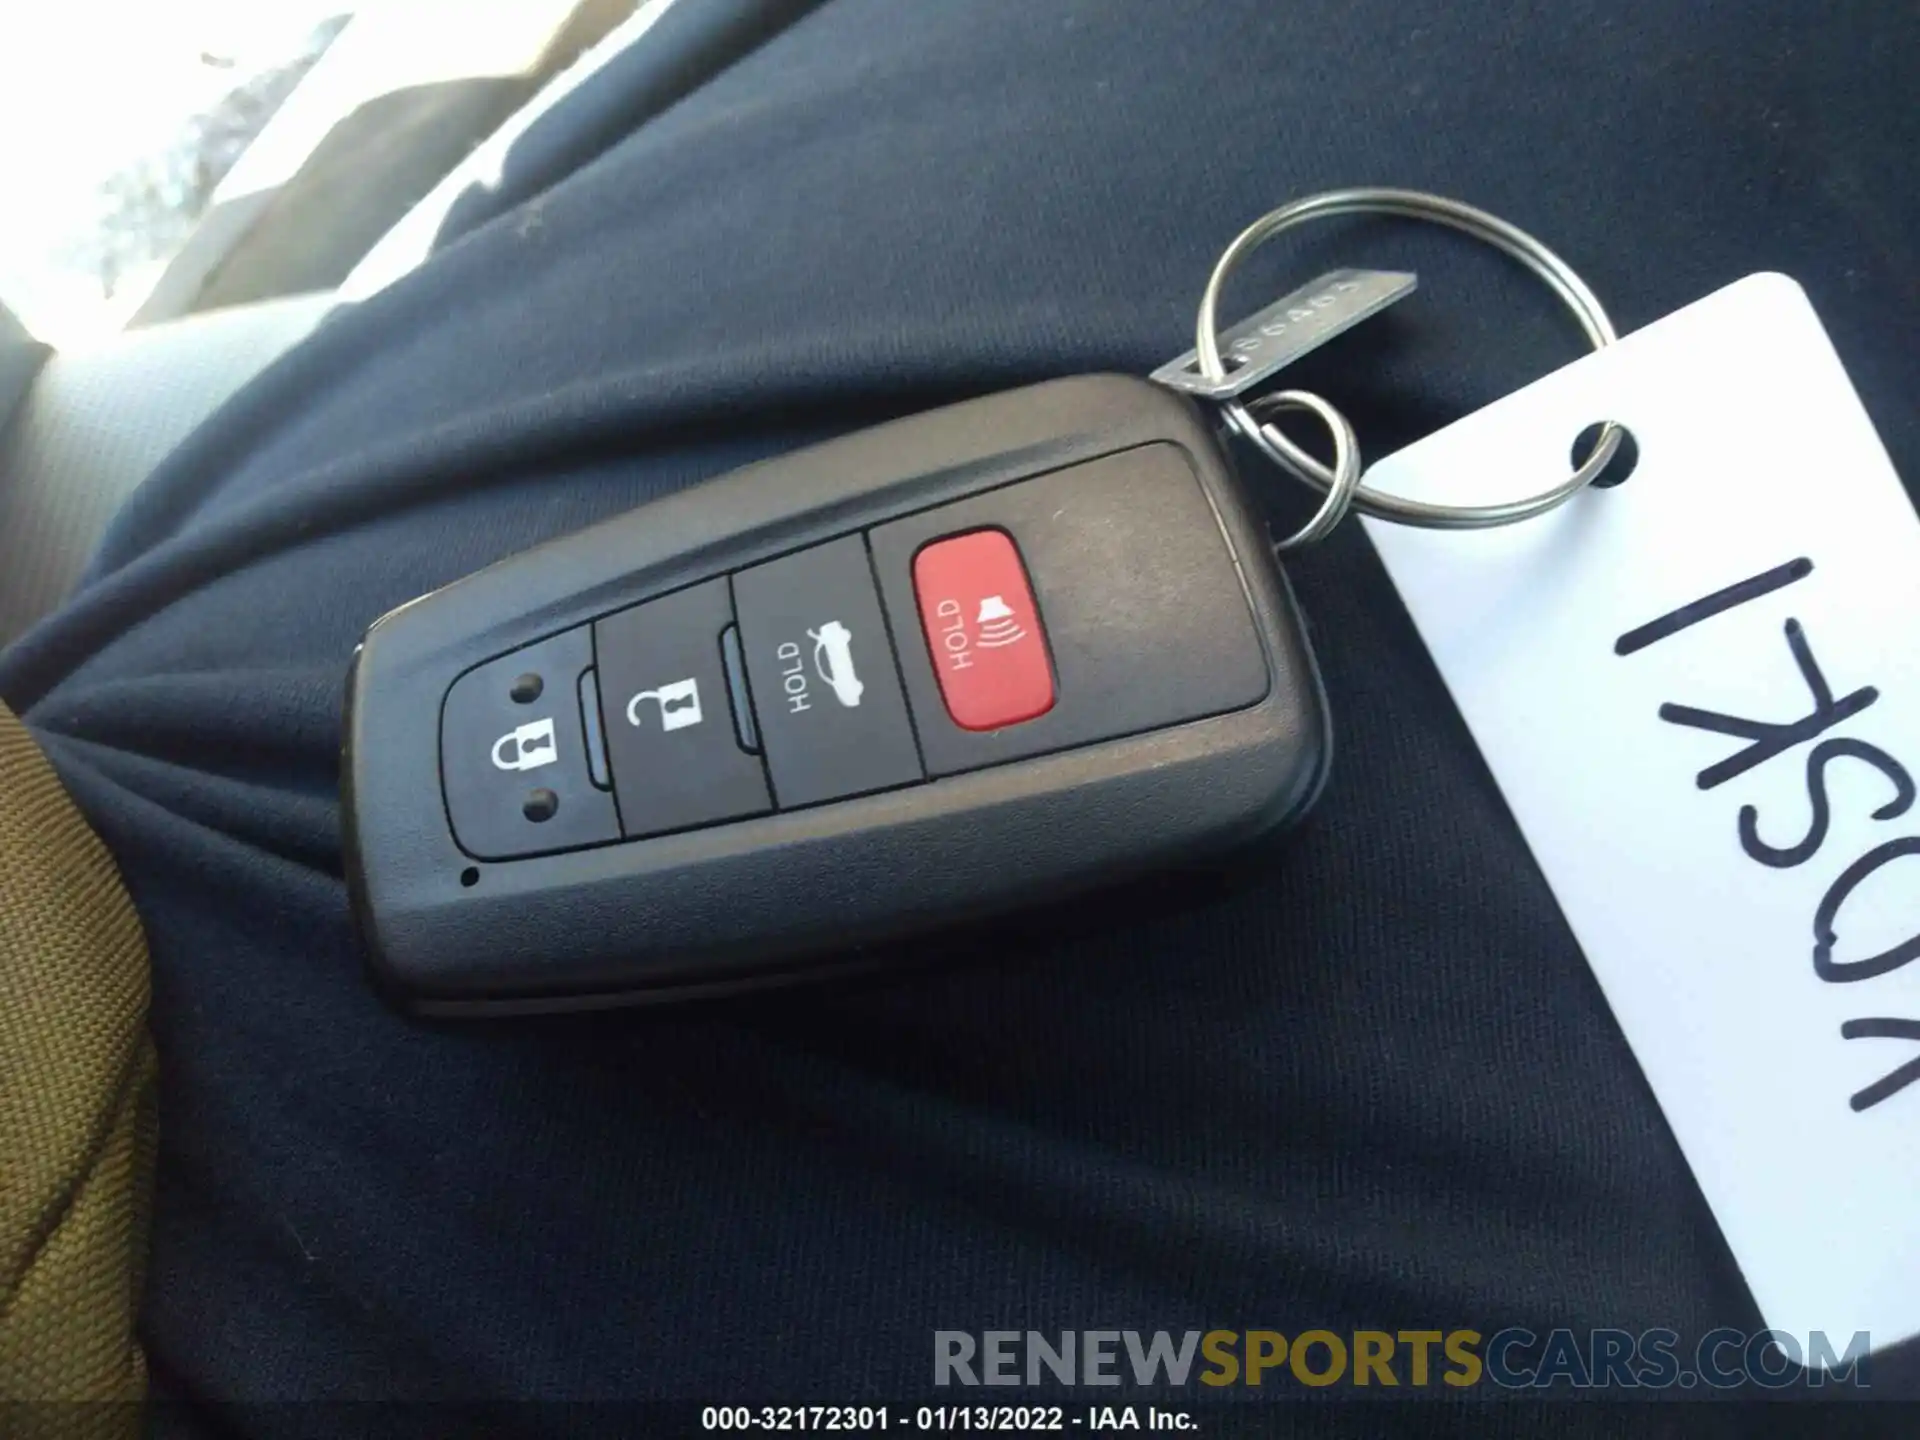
{"x": 1345, "y": 475}
{"x": 1436, "y": 209}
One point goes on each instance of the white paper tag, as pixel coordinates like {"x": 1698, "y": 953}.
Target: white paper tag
{"x": 1700, "y": 694}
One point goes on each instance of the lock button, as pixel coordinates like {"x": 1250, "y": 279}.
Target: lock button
{"x": 513, "y": 754}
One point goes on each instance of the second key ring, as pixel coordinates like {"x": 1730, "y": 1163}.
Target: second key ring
{"x": 1343, "y": 477}
{"x": 1436, "y": 209}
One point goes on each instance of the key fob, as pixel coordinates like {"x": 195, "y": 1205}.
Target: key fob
{"x": 935, "y": 670}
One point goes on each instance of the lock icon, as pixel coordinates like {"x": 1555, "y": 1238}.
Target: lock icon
{"x": 526, "y": 747}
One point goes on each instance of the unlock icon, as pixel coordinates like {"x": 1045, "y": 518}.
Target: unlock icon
{"x": 679, "y": 705}
{"x": 526, "y": 747}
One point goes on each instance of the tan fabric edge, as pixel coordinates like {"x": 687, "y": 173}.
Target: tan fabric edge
{"x": 77, "y": 1113}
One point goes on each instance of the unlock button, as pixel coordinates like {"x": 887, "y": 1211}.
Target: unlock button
{"x": 669, "y": 712}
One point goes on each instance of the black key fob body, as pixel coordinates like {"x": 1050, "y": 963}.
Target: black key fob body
{"x": 931, "y": 671}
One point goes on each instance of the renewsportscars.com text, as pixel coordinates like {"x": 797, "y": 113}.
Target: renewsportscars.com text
{"x": 1513, "y": 1359}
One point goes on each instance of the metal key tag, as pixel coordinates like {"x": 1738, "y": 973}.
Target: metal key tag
{"x": 1293, "y": 326}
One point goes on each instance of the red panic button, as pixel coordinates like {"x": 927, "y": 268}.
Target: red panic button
{"x": 983, "y": 630}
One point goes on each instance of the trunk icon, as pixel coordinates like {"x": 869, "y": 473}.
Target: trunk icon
{"x": 833, "y": 659}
